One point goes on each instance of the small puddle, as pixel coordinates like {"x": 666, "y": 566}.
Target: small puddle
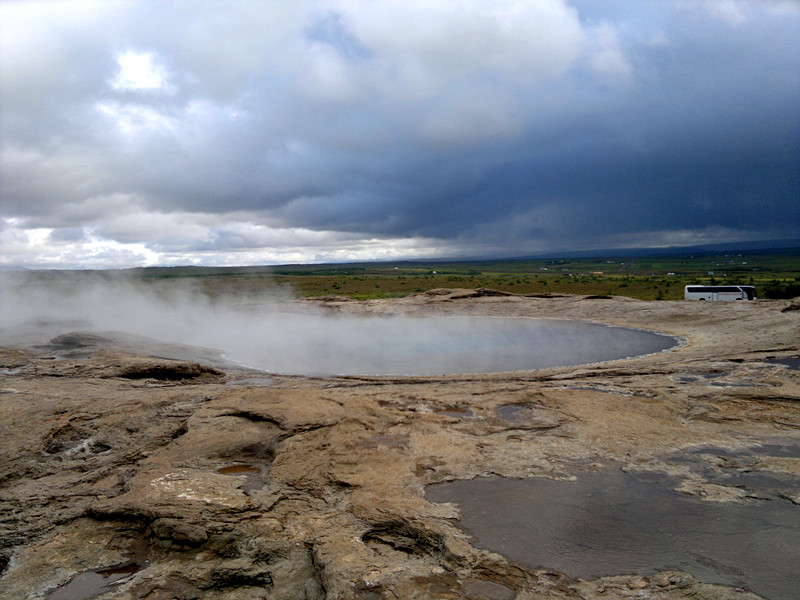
{"x": 792, "y": 362}
{"x": 253, "y": 477}
{"x": 253, "y": 381}
{"x": 513, "y": 413}
{"x": 95, "y": 582}
{"x": 743, "y": 469}
{"x": 527, "y": 417}
{"x": 696, "y": 376}
{"x": 612, "y": 523}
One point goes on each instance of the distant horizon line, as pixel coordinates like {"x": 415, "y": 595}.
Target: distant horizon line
{"x": 763, "y": 245}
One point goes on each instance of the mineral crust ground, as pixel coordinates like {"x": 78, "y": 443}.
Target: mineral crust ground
{"x": 189, "y": 478}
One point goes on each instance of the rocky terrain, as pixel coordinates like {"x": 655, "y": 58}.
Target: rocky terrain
{"x": 135, "y": 472}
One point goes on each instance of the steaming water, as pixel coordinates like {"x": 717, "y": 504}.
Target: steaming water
{"x": 279, "y": 337}
{"x": 447, "y": 345}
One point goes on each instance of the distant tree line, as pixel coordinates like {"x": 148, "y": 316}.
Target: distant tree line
{"x": 780, "y": 289}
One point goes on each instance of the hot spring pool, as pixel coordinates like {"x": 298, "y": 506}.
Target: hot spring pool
{"x": 322, "y": 345}
{"x": 284, "y": 338}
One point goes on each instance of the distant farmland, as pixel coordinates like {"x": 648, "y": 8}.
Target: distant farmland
{"x": 775, "y": 274}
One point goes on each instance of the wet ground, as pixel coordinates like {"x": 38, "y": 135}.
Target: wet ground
{"x": 793, "y": 362}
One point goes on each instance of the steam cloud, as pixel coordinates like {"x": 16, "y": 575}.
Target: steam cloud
{"x": 269, "y": 332}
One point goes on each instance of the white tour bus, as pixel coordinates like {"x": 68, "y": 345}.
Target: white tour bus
{"x": 720, "y": 292}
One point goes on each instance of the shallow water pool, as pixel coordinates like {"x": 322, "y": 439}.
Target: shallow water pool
{"x": 614, "y": 523}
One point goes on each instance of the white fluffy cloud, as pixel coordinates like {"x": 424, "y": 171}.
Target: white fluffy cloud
{"x": 139, "y": 71}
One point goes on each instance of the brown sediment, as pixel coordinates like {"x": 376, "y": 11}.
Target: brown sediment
{"x": 115, "y": 458}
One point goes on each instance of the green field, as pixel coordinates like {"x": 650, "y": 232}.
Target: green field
{"x": 775, "y": 274}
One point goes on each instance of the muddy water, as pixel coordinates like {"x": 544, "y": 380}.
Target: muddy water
{"x": 613, "y": 523}
{"x": 94, "y": 582}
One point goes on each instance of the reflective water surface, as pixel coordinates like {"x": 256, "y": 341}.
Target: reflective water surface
{"x": 439, "y": 346}
{"x": 285, "y": 338}
{"x": 793, "y": 362}
{"x": 613, "y": 523}
{"x": 94, "y": 582}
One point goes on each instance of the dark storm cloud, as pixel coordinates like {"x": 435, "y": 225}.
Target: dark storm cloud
{"x": 178, "y": 131}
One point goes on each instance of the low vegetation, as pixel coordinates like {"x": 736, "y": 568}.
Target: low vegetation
{"x": 775, "y": 275}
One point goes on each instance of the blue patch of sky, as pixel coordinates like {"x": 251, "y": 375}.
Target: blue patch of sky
{"x": 329, "y": 29}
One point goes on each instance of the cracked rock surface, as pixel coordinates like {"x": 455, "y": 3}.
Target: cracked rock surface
{"x": 195, "y": 482}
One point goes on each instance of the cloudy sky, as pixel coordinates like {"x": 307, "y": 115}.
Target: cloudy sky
{"x": 262, "y": 132}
